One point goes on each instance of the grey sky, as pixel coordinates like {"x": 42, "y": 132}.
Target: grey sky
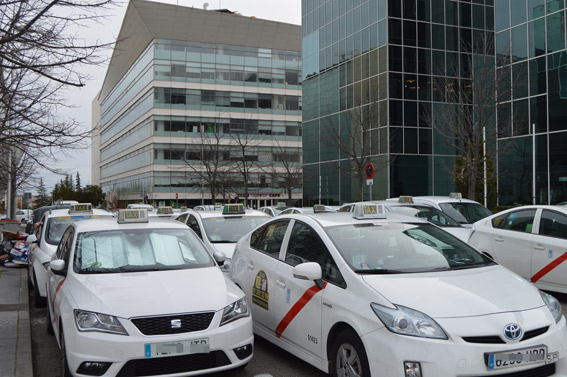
{"x": 288, "y": 11}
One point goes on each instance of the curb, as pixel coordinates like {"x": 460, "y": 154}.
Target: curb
{"x": 24, "y": 365}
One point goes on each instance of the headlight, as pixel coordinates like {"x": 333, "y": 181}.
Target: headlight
{"x": 90, "y": 321}
{"x": 234, "y": 311}
{"x": 553, "y": 305}
{"x": 406, "y": 321}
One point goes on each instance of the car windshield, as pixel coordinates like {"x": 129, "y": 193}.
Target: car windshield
{"x": 465, "y": 213}
{"x": 433, "y": 215}
{"x": 385, "y": 248}
{"x": 135, "y": 250}
{"x": 57, "y": 225}
{"x": 226, "y": 229}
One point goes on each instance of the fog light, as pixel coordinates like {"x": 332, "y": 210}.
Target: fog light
{"x": 412, "y": 369}
{"x": 93, "y": 368}
{"x": 243, "y": 352}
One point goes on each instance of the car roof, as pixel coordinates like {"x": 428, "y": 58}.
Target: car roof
{"x": 111, "y": 223}
{"x": 444, "y": 199}
{"x": 218, "y": 213}
{"x": 65, "y": 212}
{"x": 330, "y": 219}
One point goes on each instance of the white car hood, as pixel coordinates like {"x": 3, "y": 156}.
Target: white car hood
{"x": 461, "y": 233}
{"x": 461, "y": 293}
{"x": 151, "y": 293}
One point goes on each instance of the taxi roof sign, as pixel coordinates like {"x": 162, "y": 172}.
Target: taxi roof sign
{"x": 455, "y": 195}
{"x": 137, "y": 215}
{"x": 319, "y": 208}
{"x": 369, "y": 211}
{"x": 405, "y": 199}
{"x": 233, "y": 209}
{"x": 166, "y": 210}
{"x": 81, "y": 207}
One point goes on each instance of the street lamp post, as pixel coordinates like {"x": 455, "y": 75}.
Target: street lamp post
{"x": 533, "y": 164}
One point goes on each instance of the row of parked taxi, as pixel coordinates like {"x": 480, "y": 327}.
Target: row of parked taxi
{"x": 376, "y": 289}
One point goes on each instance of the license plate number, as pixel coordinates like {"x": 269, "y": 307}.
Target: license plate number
{"x": 177, "y": 348}
{"x": 525, "y": 356}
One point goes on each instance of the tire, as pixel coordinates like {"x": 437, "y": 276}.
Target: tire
{"x": 38, "y": 301}
{"x": 49, "y": 325}
{"x": 348, "y": 357}
{"x": 63, "y": 355}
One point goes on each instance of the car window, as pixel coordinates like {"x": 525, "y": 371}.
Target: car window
{"x": 193, "y": 224}
{"x": 553, "y": 224}
{"x": 306, "y": 246}
{"x": 182, "y": 218}
{"x": 269, "y": 238}
{"x": 133, "y": 250}
{"x": 520, "y": 221}
{"x": 499, "y": 221}
{"x": 223, "y": 229}
{"x": 465, "y": 212}
{"x": 64, "y": 248}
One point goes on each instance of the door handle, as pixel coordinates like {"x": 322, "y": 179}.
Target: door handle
{"x": 250, "y": 265}
{"x": 499, "y": 239}
{"x": 539, "y": 247}
{"x": 280, "y": 282}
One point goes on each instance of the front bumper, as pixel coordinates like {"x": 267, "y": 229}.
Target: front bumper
{"x": 459, "y": 356}
{"x": 127, "y": 353}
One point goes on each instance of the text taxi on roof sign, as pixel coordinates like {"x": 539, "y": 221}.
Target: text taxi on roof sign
{"x": 126, "y": 298}
{"x": 43, "y": 242}
{"x": 377, "y": 293}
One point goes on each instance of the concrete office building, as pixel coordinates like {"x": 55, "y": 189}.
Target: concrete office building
{"x": 402, "y": 51}
{"x": 187, "y": 89}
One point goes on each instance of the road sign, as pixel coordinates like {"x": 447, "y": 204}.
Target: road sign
{"x": 369, "y": 170}
{"x": 369, "y": 182}
{"x": 176, "y": 196}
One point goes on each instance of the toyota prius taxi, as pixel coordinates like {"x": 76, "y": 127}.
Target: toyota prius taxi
{"x": 130, "y": 297}
{"x": 376, "y": 293}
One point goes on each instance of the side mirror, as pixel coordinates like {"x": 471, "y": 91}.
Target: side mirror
{"x": 307, "y": 271}
{"x": 220, "y": 257}
{"x": 57, "y": 266}
{"x": 31, "y": 239}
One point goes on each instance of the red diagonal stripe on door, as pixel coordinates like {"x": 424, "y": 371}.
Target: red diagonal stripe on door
{"x": 544, "y": 271}
{"x": 296, "y": 308}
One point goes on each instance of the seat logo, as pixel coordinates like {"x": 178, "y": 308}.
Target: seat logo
{"x": 175, "y": 323}
{"x": 512, "y": 331}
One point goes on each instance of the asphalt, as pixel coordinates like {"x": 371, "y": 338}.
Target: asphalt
{"x": 15, "y": 334}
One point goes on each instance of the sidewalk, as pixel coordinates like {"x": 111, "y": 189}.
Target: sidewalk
{"x": 15, "y": 335}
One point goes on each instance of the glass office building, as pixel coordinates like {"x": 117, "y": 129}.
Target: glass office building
{"x": 532, "y": 120}
{"x": 406, "y": 55}
{"x": 173, "y": 96}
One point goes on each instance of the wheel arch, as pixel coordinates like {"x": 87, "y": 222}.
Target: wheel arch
{"x": 336, "y": 330}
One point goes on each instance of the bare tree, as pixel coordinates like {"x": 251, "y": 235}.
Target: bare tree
{"x": 466, "y": 119}
{"x": 286, "y": 168}
{"x": 353, "y": 140}
{"x": 246, "y": 162}
{"x": 42, "y": 53}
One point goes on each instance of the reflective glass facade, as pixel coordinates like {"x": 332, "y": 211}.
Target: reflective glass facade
{"x": 404, "y": 57}
{"x": 530, "y": 36}
{"x": 177, "y": 92}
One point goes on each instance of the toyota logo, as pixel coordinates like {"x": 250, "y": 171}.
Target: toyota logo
{"x": 512, "y": 331}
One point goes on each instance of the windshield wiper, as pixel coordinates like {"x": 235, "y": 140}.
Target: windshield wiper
{"x": 379, "y": 271}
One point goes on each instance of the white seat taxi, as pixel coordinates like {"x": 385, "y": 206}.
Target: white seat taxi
{"x": 377, "y": 293}
{"x": 529, "y": 240}
{"x": 220, "y": 229}
{"x": 464, "y": 211}
{"x": 126, "y": 298}
{"x": 43, "y": 243}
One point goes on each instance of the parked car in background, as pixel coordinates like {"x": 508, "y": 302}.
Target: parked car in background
{"x": 464, "y": 211}
{"x": 529, "y": 240}
{"x": 38, "y": 212}
{"x": 23, "y": 215}
{"x": 273, "y": 210}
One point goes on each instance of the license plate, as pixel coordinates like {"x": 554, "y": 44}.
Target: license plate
{"x": 177, "y": 348}
{"x": 524, "y": 356}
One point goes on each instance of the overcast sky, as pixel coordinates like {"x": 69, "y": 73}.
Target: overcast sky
{"x": 80, "y": 161}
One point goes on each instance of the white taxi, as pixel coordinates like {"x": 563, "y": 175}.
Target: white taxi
{"x": 220, "y": 229}
{"x": 529, "y": 240}
{"x": 43, "y": 243}
{"x": 465, "y": 211}
{"x": 129, "y": 297}
{"x": 382, "y": 294}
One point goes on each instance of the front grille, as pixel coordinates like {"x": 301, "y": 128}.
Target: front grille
{"x": 163, "y": 325}
{"x": 543, "y": 371}
{"x": 174, "y": 364}
{"x": 495, "y": 339}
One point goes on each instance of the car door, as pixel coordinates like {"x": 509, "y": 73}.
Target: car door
{"x": 298, "y": 303}
{"x": 56, "y": 282}
{"x": 512, "y": 241}
{"x": 256, "y": 272}
{"x": 549, "y": 251}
